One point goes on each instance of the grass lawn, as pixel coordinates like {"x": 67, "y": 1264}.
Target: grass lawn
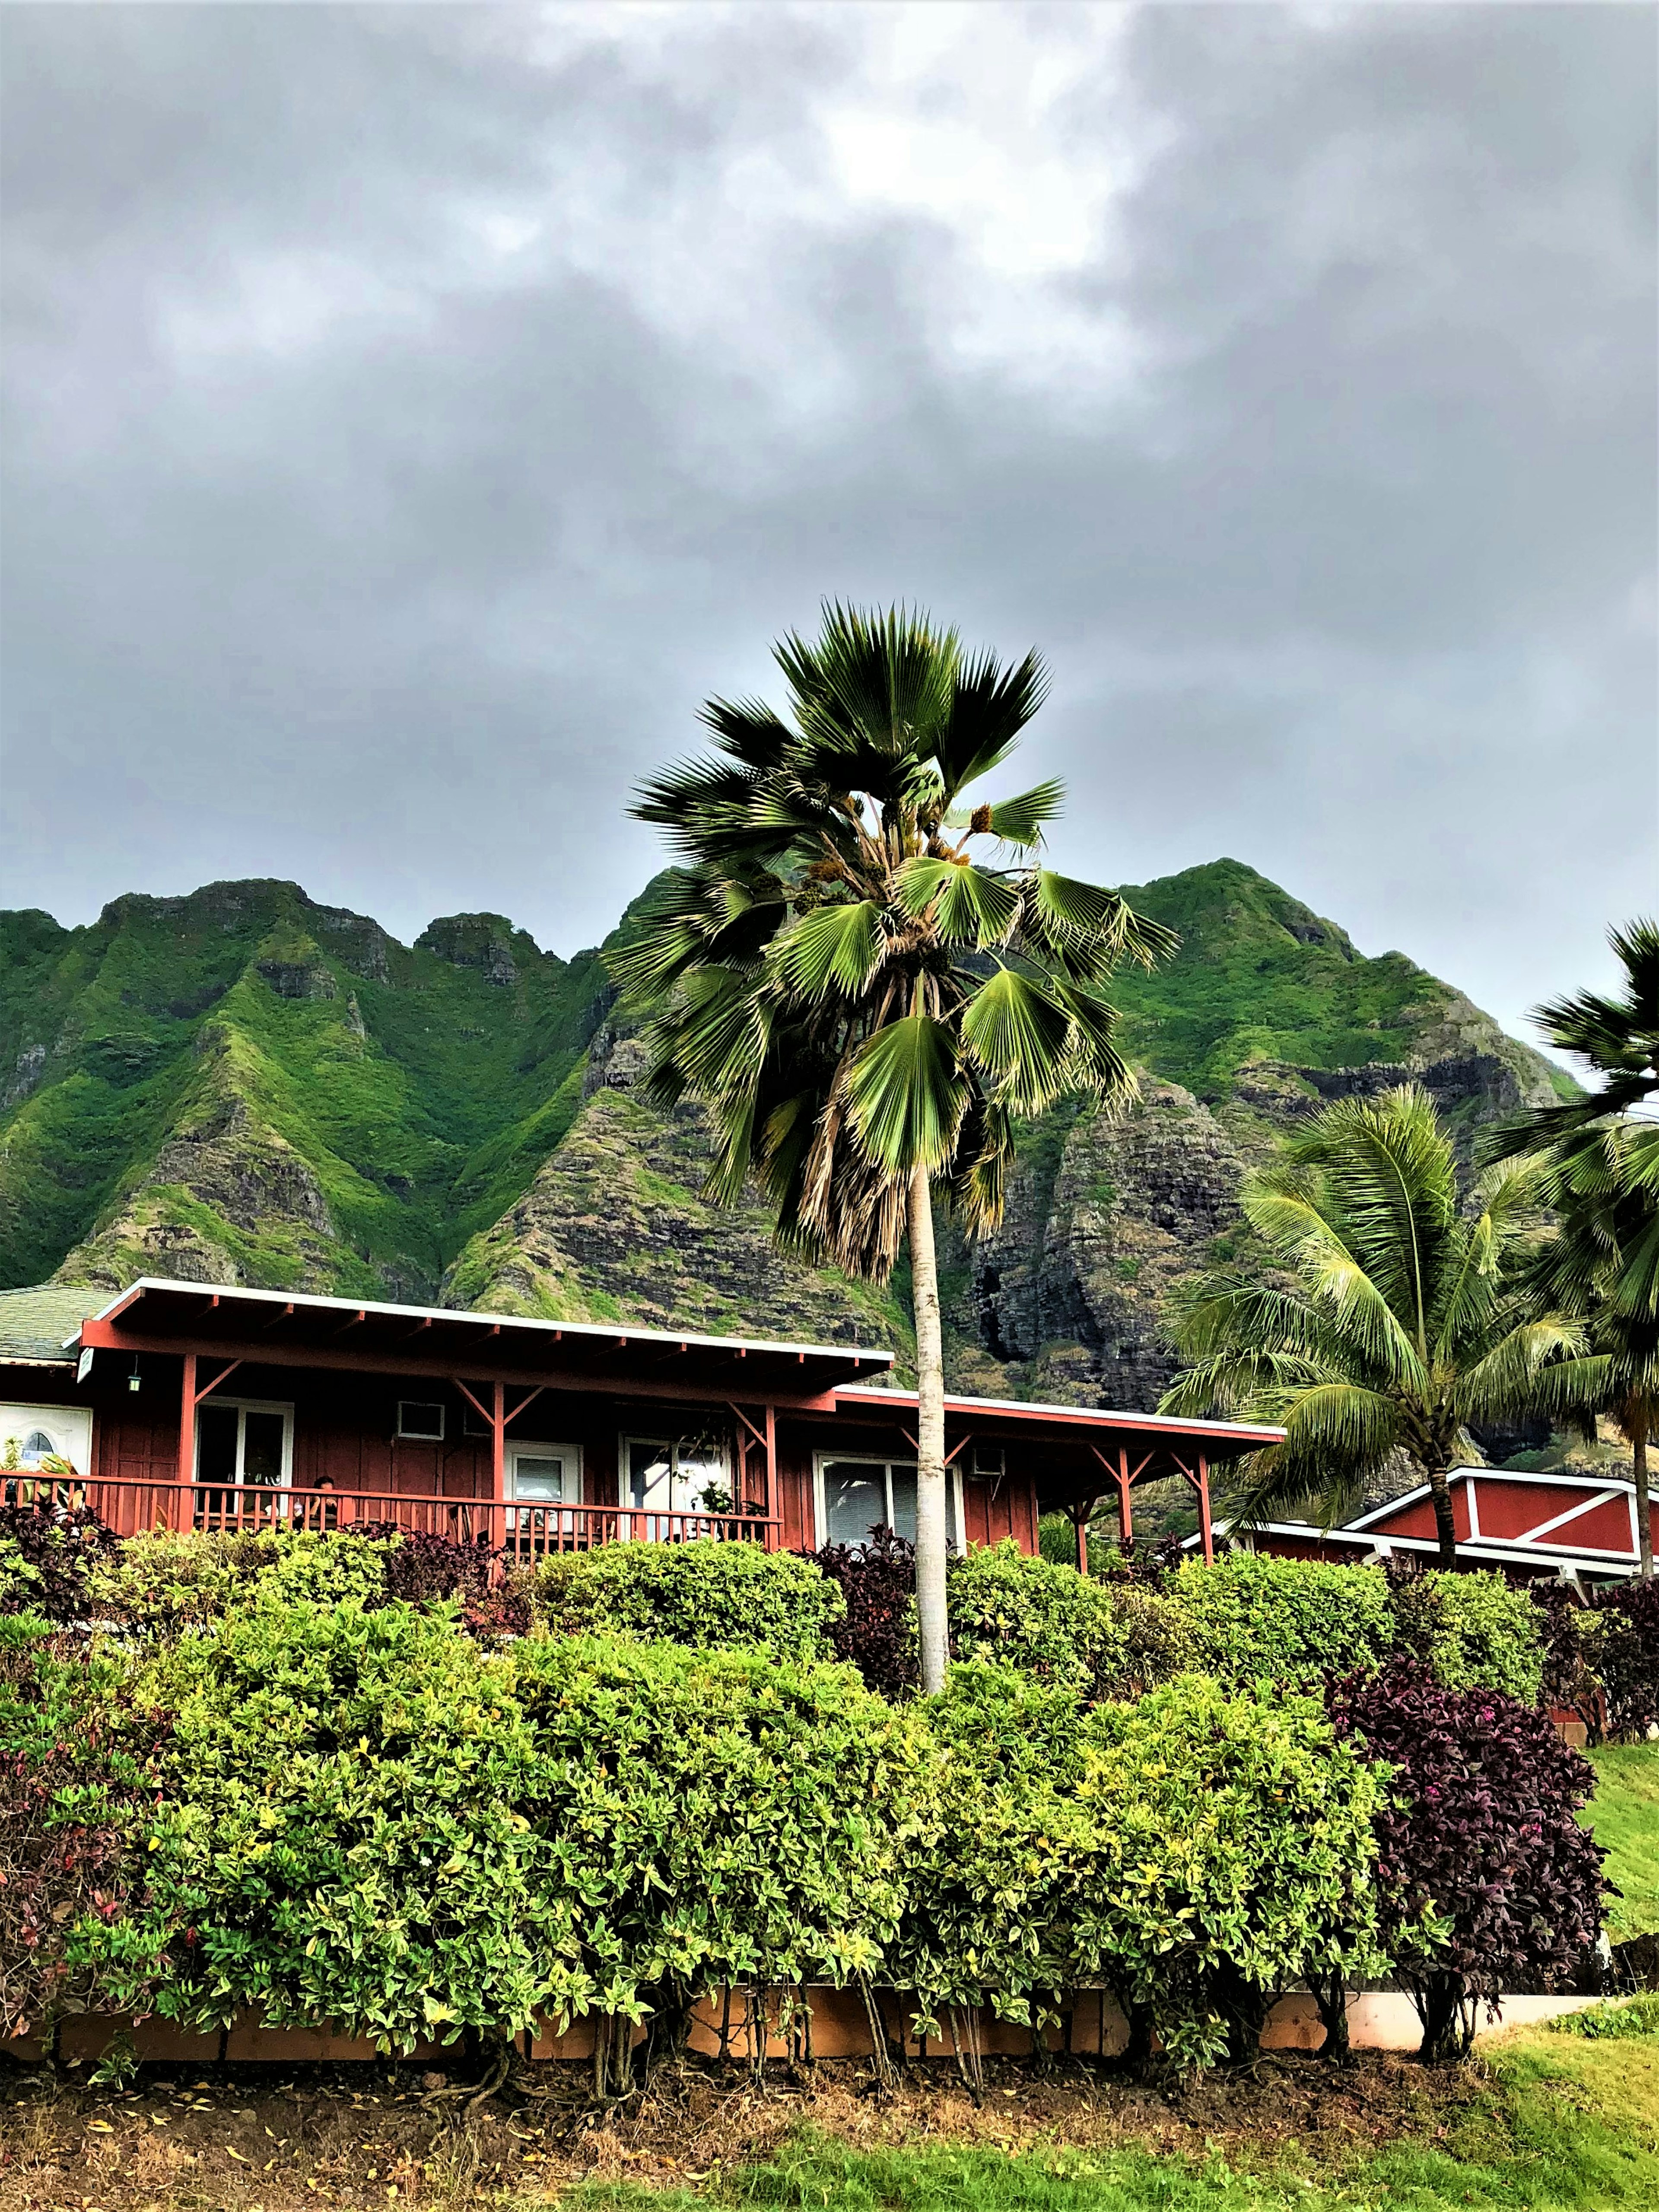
{"x": 1562, "y": 2125}
{"x": 1625, "y": 1814}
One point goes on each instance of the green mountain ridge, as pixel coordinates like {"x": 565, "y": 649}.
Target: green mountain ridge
{"x": 243, "y": 1085}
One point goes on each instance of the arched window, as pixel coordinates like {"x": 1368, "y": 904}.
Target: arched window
{"x": 38, "y": 1446}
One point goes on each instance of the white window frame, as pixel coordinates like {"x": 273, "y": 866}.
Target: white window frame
{"x": 821, "y": 1511}
{"x": 244, "y": 1405}
{"x": 521, "y": 1448}
{"x": 671, "y": 1447}
{"x": 421, "y": 1436}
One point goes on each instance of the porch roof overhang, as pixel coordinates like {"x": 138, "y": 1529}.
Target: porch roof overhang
{"x": 1087, "y": 1450}
{"x": 277, "y": 1328}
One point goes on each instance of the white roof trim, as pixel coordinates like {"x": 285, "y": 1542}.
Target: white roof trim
{"x": 1106, "y": 1417}
{"x": 516, "y": 1322}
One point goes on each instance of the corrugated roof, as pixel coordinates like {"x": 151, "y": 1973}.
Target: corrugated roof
{"x": 34, "y": 1322}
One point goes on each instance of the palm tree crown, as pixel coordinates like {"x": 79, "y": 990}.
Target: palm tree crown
{"x": 859, "y": 973}
{"x": 866, "y": 975}
{"x": 1387, "y": 1315}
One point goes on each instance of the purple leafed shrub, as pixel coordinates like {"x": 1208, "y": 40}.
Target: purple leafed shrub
{"x": 55, "y": 1547}
{"x": 421, "y": 1566}
{"x": 1601, "y": 1657}
{"x": 1479, "y": 1836}
{"x": 879, "y": 1582}
{"x": 1144, "y": 1561}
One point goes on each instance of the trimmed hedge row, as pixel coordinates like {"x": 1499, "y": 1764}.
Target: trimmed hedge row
{"x": 364, "y": 1815}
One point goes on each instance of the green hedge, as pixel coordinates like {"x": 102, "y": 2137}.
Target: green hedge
{"x": 1194, "y": 1852}
{"x": 710, "y": 1595}
{"x": 1059, "y": 1627}
{"x": 366, "y": 1818}
{"x": 1251, "y": 1618}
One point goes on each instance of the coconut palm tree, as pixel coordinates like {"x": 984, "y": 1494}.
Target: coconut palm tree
{"x": 1620, "y": 1038}
{"x": 1603, "y": 1149}
{"x": 1385, "y": 1316}
{"x": 1596, "y": 1266}
{"x": 865, "y": 973}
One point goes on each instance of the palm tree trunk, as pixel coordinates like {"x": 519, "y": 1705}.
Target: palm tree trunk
{"x": 1445, "y": 1526}
{"x": 1638, "y": 1447}
{"x": 930, "y": 1437}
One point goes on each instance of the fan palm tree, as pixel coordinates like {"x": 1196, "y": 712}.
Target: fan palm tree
{"x": 866, "y": 974}
{"x": 1387, "y": 1316}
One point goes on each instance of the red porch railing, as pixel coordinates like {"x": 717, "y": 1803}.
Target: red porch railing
{"x": 130, "y": 1507}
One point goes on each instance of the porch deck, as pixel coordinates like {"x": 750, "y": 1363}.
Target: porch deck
{"x": 133, "y": 1508}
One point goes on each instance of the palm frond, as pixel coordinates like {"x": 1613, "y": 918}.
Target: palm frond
{"x": 1021, "y": 1039}
{"x": 1063, "y": 916}
{"x": 966, "y": 905}
{"x": 907, "y": 1095}
{"x": 990, "y": 705}
{"x": 1021, "y": 820}
{"x": 828, "y": 947}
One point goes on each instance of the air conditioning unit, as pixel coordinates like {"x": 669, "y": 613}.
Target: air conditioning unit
{"x": 420, "y": 1423}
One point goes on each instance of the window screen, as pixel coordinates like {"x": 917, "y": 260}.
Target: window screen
{"x": 863, "y": 1495}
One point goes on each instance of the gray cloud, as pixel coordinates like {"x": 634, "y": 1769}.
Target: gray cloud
{"x": 413, "y": 412}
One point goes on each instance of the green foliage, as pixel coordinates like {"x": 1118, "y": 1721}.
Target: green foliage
{"x": 1242, "y": 1851}
{"x": 163, "y": 1581}
{"x": 370, "y": 1821}
{"x": 708, "y": 1593}
{"x": 1635, "y": 2016}
{"x": 1195, "y": 1852}
{"x": 1253, "y": 1617}
{"x": 1484, "y": 1635}
{"x": 1056, "y": 1625}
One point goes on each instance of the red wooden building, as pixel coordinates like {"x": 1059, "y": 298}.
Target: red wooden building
{"x": 1532, "y": 1527}
{"x": 189, "y": 1405}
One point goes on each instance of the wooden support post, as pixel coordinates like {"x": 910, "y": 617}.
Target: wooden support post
{"x": 498, "y": 1444}
{"x": 1126, "y": 1526}
{"x": 187, "y": 1422}
{"x": 1080, "y": 1522}
{"x": 1204, "y": 1529}
{"x": 772, "y": 1533}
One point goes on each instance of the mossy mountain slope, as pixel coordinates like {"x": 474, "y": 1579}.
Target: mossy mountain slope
{"x": 242, "y": 1085}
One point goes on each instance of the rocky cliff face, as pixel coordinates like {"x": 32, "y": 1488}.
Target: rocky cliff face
{"x": 1105, "y": 1216}
{"x": 245, "y": 1086}
{"x": 614, "y": 1228}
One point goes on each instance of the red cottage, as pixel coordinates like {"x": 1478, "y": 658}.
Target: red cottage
{"x": 189, "y": 1405}
{"x": 1532, "y": 1527}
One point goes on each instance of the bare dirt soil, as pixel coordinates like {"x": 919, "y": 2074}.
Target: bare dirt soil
{"x": 260, "y": 2139}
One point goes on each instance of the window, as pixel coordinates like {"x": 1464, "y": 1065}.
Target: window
{"x": 240, "y": 1441}
{"x": 30, "y": 1434}
{"x": 544, "y": 1474}
{"x": 422, "y": 1423}
{"x": 678, "y": 1477}
{"x": 855, "y": 1496}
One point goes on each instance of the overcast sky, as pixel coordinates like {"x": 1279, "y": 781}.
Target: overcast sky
{"x": 413, "y": 413}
